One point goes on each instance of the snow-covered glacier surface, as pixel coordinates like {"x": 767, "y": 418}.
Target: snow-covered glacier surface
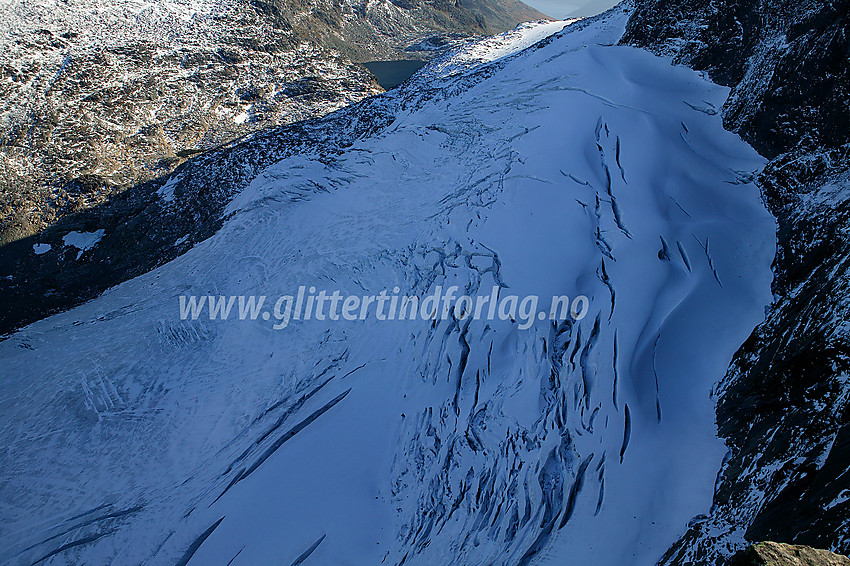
{"x": 574, "y": 167}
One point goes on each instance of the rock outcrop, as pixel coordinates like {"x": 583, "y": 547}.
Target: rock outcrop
{"x": 776, "y": 554}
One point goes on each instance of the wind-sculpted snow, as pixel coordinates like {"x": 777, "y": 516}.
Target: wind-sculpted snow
{"x": 574, "y": 168}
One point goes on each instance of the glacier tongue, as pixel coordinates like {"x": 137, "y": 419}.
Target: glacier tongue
{"x": 574, "y": 167}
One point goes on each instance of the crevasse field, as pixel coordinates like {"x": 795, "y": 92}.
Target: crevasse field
{"x": 572, "y": 167}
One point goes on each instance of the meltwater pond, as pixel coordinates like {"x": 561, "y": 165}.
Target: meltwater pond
{"x": 390, "y": 74}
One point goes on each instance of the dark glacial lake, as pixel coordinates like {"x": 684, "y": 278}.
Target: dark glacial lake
{"x": 390, "y": 74}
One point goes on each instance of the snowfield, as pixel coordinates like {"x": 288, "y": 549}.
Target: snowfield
{"x": 486, "y": 50}
{"x": 573, "y": 167}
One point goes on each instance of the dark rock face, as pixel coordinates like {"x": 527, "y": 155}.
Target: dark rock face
{"x": 785, "y": 61}
{"x": 776, "y": 554}
{"x": 783, "y": 407}
{"x": 100, "y": 106}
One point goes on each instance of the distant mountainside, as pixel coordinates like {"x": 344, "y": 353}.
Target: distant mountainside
{"x": 376, "y": 30}
{"x": 96, "y": 96}
{"x": 784, "y": 407}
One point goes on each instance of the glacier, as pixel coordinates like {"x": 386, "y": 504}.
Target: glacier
{"x": 571, "y": 167}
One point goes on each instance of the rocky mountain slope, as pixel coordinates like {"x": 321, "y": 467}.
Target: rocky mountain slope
{"x": 99, "y": 96}
{"x": 783, "y": 407}
{"x": 571, "y": 167}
